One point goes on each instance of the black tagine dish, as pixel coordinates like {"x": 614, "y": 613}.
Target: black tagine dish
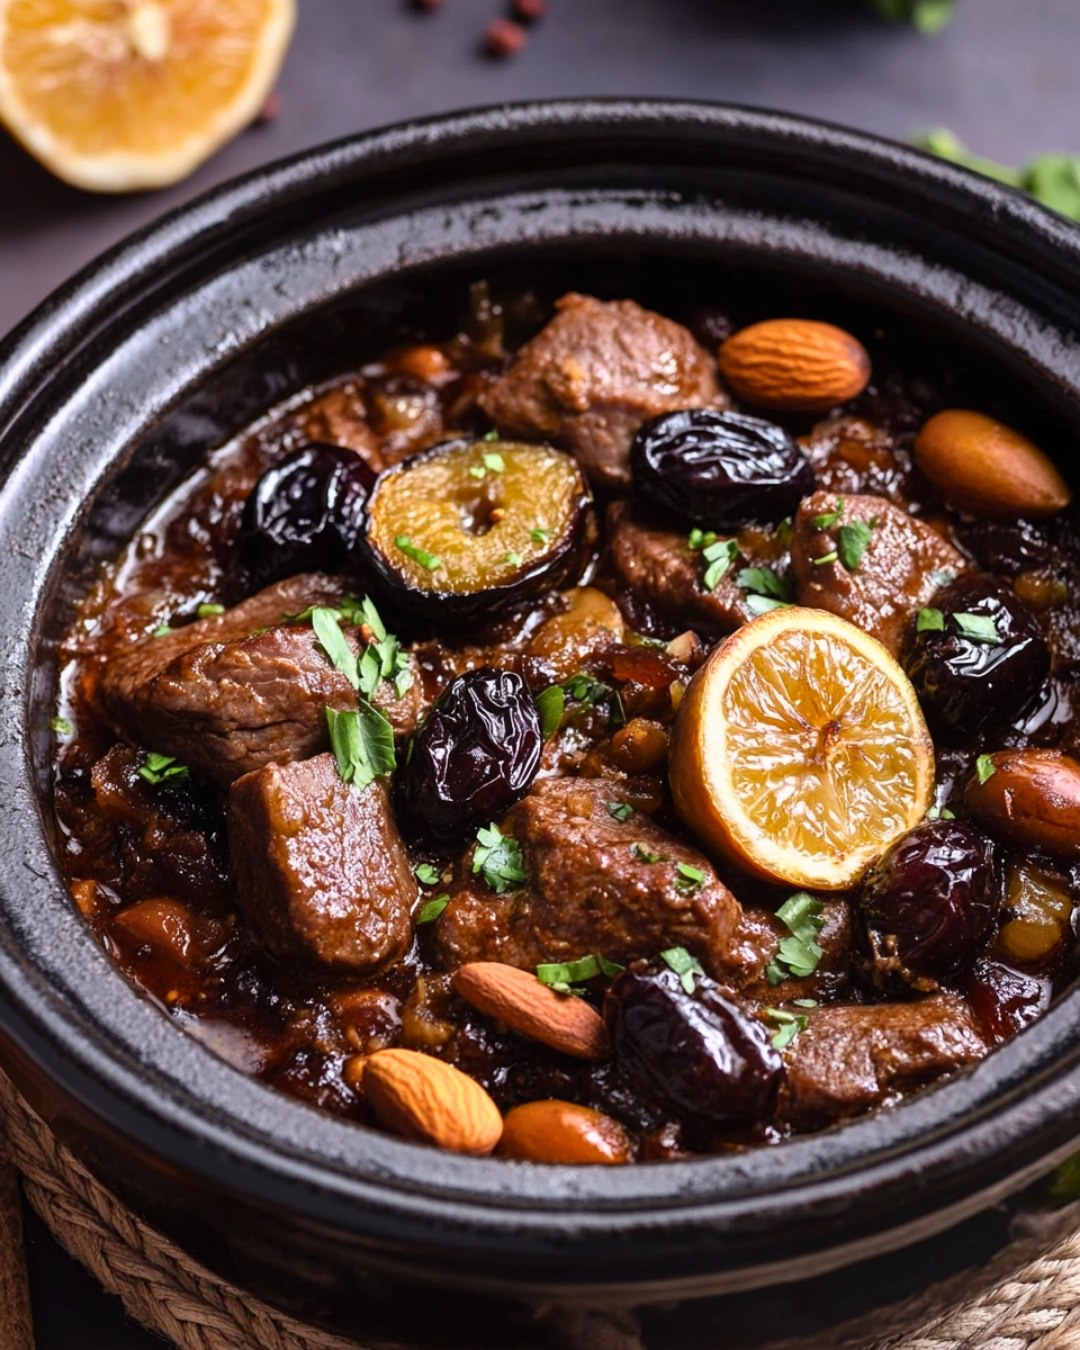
{"x": 423, "y": 563}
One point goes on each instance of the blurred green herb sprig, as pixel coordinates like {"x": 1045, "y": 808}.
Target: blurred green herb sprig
{"x": 1052, "y": 179}
{"x": 928, "y": 16}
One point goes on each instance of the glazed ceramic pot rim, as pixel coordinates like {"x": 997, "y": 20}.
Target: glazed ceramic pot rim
{"x": 937, "y": 1155}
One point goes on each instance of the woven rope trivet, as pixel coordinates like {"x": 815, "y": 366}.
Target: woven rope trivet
{"x": 1037, "y": 1308}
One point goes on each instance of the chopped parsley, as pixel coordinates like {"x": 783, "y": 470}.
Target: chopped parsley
{"x": 985, "y": 768}
{"x": 852, "y": 541}
{"x": 157, "y": 769}
{"x": 799, "y": 954}
{"x": 699, "y": 539}
{"x": 382, "y": 657}
{"x": 689, "y": 878}
{"x": 790, "y": 1024}
{"x": 539, "y": 535}
{"x": 564, "y": 976}
{"x": 431, "y": 562}
{"x": 363, "y": 744}
{"x": 930, "y": 621}
{"x": 551, "y": 704}
{"x": 162, "y": 630}
{"x": 1052, "y": 179}
{"x": 939, "y": 813}
{"x": 928, "y": 16}
{"x": 766, "y": 589}
{"x": 61, "y": 726}
{"x": 978, "y": 627}
{"x": 590, "y": 693}
{"x": 491, "y": 437}
{"x": 826, "y": 558}
{"x": 718, "y": 554}
{"x": 494, "y": 462}
{"x": 327, "y": 626}
{"x": 431, "y": 909}
{"x": 208, "y": 611}
{"x": 620, "y": 810}
{"x": 684, "y": 965}
{"x": 498, "y": 859}
{"x": 643, "y": 854}
{"x": 427, "y": 874}
{"x": 514, "y": 559}
{"x": 830, "y": 518}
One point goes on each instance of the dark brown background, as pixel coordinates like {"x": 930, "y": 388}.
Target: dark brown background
{"x": 1003, "y": 76}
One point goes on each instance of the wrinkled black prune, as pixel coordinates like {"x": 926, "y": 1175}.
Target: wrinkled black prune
{"x": 475, "y": 754}
{"x": 987, "y": 661}
{"x": 929, "y": 904}
{"x": 304, "y": 514}
{"x": 719, "y": 469}
{"x": 703, "y": 1055}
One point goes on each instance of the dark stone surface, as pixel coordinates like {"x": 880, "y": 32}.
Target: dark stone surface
{"x": 1002, "y": 76}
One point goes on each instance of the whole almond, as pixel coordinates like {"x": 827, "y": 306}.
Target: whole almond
{"x": 562, "y": 1132}
{"x": 423, "y": 1098}
{"x": 795, "y": 365}
{"x": 530, "y": 1008}
{"x": 986, "y": 468}
{"x": 1031, "y": 800}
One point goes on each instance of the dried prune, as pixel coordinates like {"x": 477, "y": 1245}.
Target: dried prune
{"x": 929, "y": 904}
{"x": 1004, "y": 1000}
{"x": 704, "y": 1054}
{"x": 476, "y": 752}
{"x": 977, "y": 658}
{"x": 304, "y": 514}
{"x": 468, "y": 527}
{"x": 721, "y": 469}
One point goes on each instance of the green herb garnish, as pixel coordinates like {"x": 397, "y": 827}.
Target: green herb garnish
{"x": 514, "y": 559}
{"x": 826, "y": 558}
{"x": 363, "y": 744}
{"x": 928, "y": 16}
{"x": 494, "y": 462}
{"x": 539, "y": 535}
{"x": 930, "y": 621}
{"x": 719, "y": 555}
{"x": 157, "y": 769}
{"x": 61, "y": 726}
{"x": 498, "y": 859}
{"x": 551, "y": 704}
{"x": 799, "y": 954}
{"x": 830, "y": 518}
{"x": 327, "y": 626}
{"x": 978, "y": 627}
{"x": 426, "y": 874}
{"x": 563, "y": 976}
{"x": 620, "y": 810}
{"x": 162, "y": 630}
{"x": 208, "y": 611}
{"x": 1053, "y": 179}
{"x": 699, "y": 539}
{"x": 985, "y": 768}
{"x": 852, "y": 541}
{"x": 791, "y": 1024}
{"x": 643, "y": 854}
{"x": 431, "y": 562}
{"x": 684, "y": 965}
{"x": 431, "y": 909}
{"x": 689, "y": 878}
{"x": 940, "y": 813}
{"x": 766, "y": 589}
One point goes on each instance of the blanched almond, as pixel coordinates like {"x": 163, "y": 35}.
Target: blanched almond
{"x": 985, "y": 467}
{"x": 1031, "y": 800}
{"x": 562, "y": 1132}
{"x": 530, "y": 1008}
{"x": 795, "y": 365}
{"x": 423, "y": 1098}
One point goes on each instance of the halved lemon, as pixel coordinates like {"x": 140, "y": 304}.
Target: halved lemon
{"x": 116, "y": 95}
{"x": 800, "y": 751}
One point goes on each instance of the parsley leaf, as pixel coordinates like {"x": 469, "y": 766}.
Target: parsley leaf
{"x": 157, "y": 769}
{"x": 689, "y": 878}
{"x": 928, "y": 16}
{"x": 562, "y": 976}
{"x": 539, "y": 535}
{"x": 514, "y": 559}
{"x": 208, "y": 610}
{"x": 363, "y": 744}
{"x": 791, "y": 1024}
{"x": 1052, "y": 179}
{"x": 494, "y": 462}
{"x": 766, "y": 589}
{"x": 327, "y": 625}
{"x": 61, "y": 726}
{"x": 426, "y": 874}
{"x": 826, "y": 558}
{"x": 643, "y": 854}
{"x": 430, "y": 561}
{"x": 978, "y": 627}
{"x": 940, "y": 813}
{"x": 431, "y": 909}
{"x": 498, "y": 859}
{"x": 551, "y": 703}
{"x": 830, "y": 518}
{"x": 684, "y": 965}
{"x": 620, "y": 810}
{"x": 799, "y": 954}
{"x": 985, "y": 768}
{"x": 719, "y": 556}
{"x": 590, "y": 693}
{"x": 699, "y": 539}
{"x": 162, "y": 630}
{"x": 930, "y": 621}
{"x": 852, "y": 541}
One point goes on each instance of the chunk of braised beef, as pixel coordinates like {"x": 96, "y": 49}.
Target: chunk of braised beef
{"x": 475, "y": 754}
{"x": 704, "y": 1054}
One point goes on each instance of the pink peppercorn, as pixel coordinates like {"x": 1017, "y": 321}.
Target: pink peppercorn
{"x": 504, "y": 38}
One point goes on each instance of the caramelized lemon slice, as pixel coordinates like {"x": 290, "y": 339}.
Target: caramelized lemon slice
{"x": 800, "y": 751}
{"x": 115, "y": 95}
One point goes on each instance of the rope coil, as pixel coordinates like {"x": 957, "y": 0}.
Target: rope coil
{"x": 1037, "y": 1308}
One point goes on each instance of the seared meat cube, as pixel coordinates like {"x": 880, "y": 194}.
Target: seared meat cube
{"x": 902, "y": 562}
{"x": 850, "y": 1059}
{"x": 321, "y": 870}
{"x": 592, "y": 887}
{"x": 663, "y": 574}
{"x": 758, "y": 938}
{"x": 339, "y": 417}
{"x": 230, "y": 693}
{"x": 589, "y": 379}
